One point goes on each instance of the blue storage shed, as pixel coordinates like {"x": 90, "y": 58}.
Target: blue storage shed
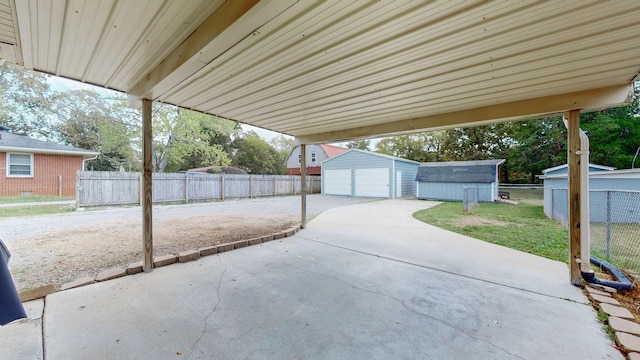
{"x": 448, "y": 180}
{"x": 368, "y": 174}
{"x": 607, "y": 187}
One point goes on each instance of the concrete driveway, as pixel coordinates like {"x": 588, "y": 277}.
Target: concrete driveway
{"x": 361, "y": 282}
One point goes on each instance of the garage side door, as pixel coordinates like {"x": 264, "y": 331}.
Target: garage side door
{"x": 372, "y": 182}
{"x": 337, "y": 182}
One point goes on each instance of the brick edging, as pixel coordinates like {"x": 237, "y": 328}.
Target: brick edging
{"x": 136, "y": 267}
{"x": 621, "y": 320}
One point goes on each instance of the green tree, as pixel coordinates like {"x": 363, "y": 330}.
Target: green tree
{"x": 89, "y": 120}
{"x": 257, "y": 156}
{"x": 362, "y": 144}
{"x": 614, "y": 134}
{"x": 183, "y": 139}
{"x": 283, "y": 145}
{"x": 422, "y": 147}
{"x": 26, "y": 102}
{"x": 538, "y": 144}
{"x": 476, "y": 143}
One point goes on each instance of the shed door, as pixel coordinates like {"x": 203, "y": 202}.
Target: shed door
{"x": 337, "y": 182}
{"x": 372, "y": 182}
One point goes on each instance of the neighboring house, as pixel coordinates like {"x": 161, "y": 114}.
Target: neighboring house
{"x": 368, "y": 174}
{"x": 316, "y": 154}
{"x": 34, "y": 167}
{"x": 448, "y": 180}
{"x": 623, "y": 196}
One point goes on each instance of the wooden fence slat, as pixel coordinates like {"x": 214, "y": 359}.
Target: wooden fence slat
{"x": 102, "y": 188}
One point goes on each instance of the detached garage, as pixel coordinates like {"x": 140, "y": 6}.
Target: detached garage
{"x": 368, "y": 174}
{"x": 448, "y": 180}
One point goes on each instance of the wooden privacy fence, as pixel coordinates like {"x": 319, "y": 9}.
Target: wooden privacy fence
{"x": 100, "y": 188}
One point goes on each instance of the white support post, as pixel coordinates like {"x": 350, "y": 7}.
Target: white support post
{"x": 303, "y": 184}
{"x": 573, "y": 153}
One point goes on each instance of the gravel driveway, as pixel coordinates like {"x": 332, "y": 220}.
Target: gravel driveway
{"x": 61, "y": 248}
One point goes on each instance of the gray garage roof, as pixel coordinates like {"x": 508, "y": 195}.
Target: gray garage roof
{"x": 16, "y": 143}
{"x": 477, "y": 171}
{"x": 372, "y": 153}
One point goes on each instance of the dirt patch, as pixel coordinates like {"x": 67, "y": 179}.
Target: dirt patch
{"x": 61, "y": 256}
{"x": 476, "y": 220}
{"x": 63, "y": 247}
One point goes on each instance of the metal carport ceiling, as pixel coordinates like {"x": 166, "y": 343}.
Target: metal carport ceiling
{"x": 326, "y": 71}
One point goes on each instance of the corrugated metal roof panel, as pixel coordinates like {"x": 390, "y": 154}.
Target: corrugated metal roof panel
{"x": 334, "y": 70}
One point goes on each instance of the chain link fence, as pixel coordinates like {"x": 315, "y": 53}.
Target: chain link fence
{"x": 615, "y": 224}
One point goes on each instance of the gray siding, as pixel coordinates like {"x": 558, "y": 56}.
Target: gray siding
{"x": 556, "y": 198}
{"x": 292, "y": 160}
{"x": 365, "y": 160}
{"x": 454, "y": 191}
{"x": 355, "y": 160}
{"x": 409, "y": 171}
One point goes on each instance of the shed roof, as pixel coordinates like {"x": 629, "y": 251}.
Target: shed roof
{"x": 329, "y": 71}
{"x": 494, "y": 162}
{"x": 564, "y": 167}
{"x": 475, "y": 171}
{"x": 17, "y": 143}
{"x": 371, "y": 153}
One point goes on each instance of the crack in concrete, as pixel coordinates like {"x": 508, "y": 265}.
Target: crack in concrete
{"x": 44, "y": 305}
{"x": 443, "y": 271}
{"x": 206, "y": 319}
{"x": 406, "y": 307}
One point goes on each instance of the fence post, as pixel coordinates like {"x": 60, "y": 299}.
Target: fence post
{"x": 608, "y": 225}
{"x": 222, "y": 186}
{"x": 186, "y": 187}
{"x": 140, "y": 177}
{"x": 78, "y": 185}
{"x": 274, "y": 185}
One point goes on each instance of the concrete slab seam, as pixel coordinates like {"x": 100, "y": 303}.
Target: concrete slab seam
{"x": 409, "y": 309}
{"x": 446, "y": 271}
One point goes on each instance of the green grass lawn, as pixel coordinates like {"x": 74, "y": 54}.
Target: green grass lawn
{"x": 33, "y": 210}
{"x": 522, "y": 227}
{"x": 32, "y": 198}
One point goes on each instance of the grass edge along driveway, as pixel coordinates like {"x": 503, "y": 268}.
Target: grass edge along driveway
{"x": 522, "y": 227}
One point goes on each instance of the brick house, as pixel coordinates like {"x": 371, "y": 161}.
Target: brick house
{"x": 316, "y": 153}
{"x": 34, "y": 167}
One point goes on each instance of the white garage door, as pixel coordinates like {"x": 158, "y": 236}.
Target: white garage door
{"x": 337, "y": 182}
{"x": 372, "y": 182}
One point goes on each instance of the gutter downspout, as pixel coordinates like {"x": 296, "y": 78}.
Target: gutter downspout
{"x": 622, "y": 282}
{"x": 84, "y": 162}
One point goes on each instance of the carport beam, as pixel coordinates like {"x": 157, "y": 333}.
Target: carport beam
{"x": 573, "y": 153}
{"x": 147, "y": 226}
{"x": 303, "y": 184}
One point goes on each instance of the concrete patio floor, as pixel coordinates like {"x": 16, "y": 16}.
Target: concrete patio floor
{"x": 361, "y": 282}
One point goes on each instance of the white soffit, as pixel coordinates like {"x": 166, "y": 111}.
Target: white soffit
{"x": 324, "y": 71}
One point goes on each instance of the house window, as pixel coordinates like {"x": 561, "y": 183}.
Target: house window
{"x": 313, "y": 157}
{"x": 299, "y": 158}
{"x": 20, "y": 165}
